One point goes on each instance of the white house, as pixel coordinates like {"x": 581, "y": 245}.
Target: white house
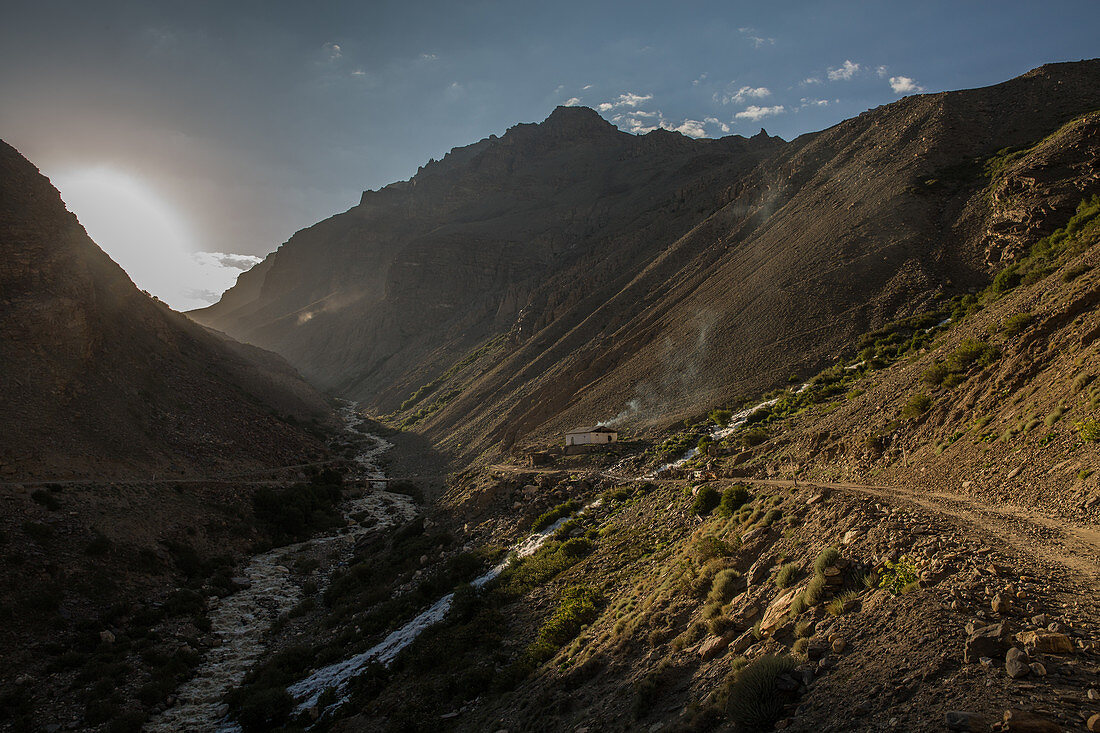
{"x": 588, "y": 436}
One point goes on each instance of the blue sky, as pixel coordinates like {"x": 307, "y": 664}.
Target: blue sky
{"x": 249, "y": 120}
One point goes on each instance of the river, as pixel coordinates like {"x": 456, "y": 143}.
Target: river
{"x": 240, "y": 621}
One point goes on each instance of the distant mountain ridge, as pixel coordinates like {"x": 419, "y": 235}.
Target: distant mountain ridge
{"x": 101, "y": 380}
{"x": 568, "y": 272}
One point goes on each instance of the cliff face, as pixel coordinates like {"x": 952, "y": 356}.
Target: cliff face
{"x": 101, "y": 380}
{"x": 649, "y": 277}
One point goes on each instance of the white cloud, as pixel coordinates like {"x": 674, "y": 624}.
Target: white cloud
{"x": 700, "y": 80}
{"x": 715, "y": 121}
{"x": 630, "y": 99}
{"x": 844, "y": 72}
{"x": 757, "y": 41}
{"x": 811, "y": 80}
{"x": 806, "y": 102}
{"x": 571, "y": 102}
{"x": 745, "y": 93}
{"x": 333, "y": 51}
{"x": 241, "y": 262}
{"x": 754, "y": 112}
{"x": 881, "y": 71}
{"x": 903, "y": 85}
{"x": 358, "y": 72}
{"x": 429, "y": 57}
{"x": 586, "y": 87}
{"x": 640, "y": 122}
{"x": 742, "y": 95}
{"x": 691, "y": 128}
{"x": 638, "y": 127}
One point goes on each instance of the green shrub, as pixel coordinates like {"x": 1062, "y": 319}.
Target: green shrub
{"x": 706, "y": 501}
{"x": 787, "y": 574}
{"x": 578, "y": 607}
{"x": 709, "y": 547}
{"x": 971, "y": 352}
{"x": 724, "y": 586}
{"x": 733, "y": 499}
{"x": 815, "y": 591}
{"x": 537, "y": 568}
{"x": 1006, "y": 280}
{"x": 839, "y": 605}
{"x": 754, "y": 700}
{"x": 1081, "y": 381}
{"x": 719, "y": 625}
{"x": 897, "y": 575}
{"x": 753, "y": 436}
{"x": 826, "y": 559}
{"x": 917, "y": 405}
{"x": 721, "y": 417}
{"x": 1088, "y": 429}
{"x": 1054, "y": 416}
{"x": 1017, "y": 323}
{"x": 935, "y": 374}
{"x": 549, "y": 517}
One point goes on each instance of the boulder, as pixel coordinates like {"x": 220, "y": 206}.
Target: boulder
{"x": 1048, "y": 642}
{"x": 776, "y": 615}
{"x": 1017, "y": 664}
{"x": 714, "y": 646}
{"x": 1018, "y": 721}
{"x": 743, "y": 642}
{"x": 987, "y": 641}
{"x": 759, "y": 570}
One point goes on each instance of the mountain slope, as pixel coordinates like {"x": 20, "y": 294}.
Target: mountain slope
{"x": 913, "y": 531}
{"x": 649, "y": 277}
{"x": 104, "y": 381}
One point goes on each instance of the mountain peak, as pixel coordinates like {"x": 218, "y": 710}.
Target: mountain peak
{"x": 577, "y": 121}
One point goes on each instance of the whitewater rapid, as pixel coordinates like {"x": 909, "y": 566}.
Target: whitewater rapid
{"x": 337, "y": 676}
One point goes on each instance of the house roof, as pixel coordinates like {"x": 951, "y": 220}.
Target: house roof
{"x": 595, "y": 429}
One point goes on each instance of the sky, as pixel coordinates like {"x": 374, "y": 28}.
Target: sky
{"x": 192, "y": 138}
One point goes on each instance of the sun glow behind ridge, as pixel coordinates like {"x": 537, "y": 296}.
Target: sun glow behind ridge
{"x": 147, "y": 238}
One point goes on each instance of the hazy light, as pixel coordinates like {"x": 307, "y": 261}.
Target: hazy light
{"x": 148, "y": 238}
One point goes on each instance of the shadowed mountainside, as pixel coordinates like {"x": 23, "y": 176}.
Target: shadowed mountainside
{"x": 101, "y": 380}
{"x": 567, "y": 272}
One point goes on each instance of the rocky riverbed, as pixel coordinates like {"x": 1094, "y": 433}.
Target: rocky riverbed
{"x": 268, "y": 590}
